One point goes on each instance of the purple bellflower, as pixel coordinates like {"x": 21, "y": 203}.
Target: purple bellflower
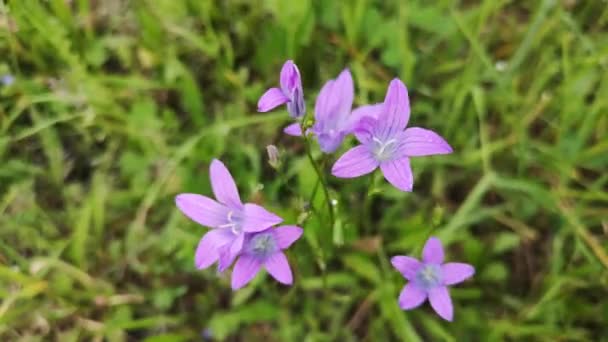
{"x": 290, "y": 93}
{"x": 265, "y": 249}
{"x": 430, "y": 279}
{"x": 333, "y": 117}
{"x": 228, "y": 216}
{"x": 386, "y": 143}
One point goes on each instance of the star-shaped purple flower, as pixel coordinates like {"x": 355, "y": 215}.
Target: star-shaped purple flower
{"x": 290, "y": 93}
{"x": 265, "y": 249}
{"x": 385, "y": 142}
{"x": 430, "y": 279}
{"x": 333, "y": 117}
{"x": 228, "y": 216}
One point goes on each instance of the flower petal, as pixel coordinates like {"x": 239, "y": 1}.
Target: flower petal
{"x": 399, "y": 173}
{"x": 411, "y": 297}
{"x": 456, "y": 272}
{"x": 344, "y": 90}
{"x": 332, "y": 110}
{"x": 229, "y": 252}
{"x": 364, "y": 129}
{"x": 432, "y": 251}
{"x": 286, "y": 235}
{"x": 418, "y": 141}
{"x": 278, "y": 267}
{"x": 355, "y": 162}
{"x": 396, "y": 111}
{"x": 271, "y": 99}
{"x": 290, "y": 78}
{"x": 325, "y": 103}
{"x": 223, "y": 185}
{"x": 202, "y": 210}
{"x": 244, "y": 270}
{"x": 296, "y": 106}
{"x": 329, "y": 143}
{"x": 441, "y": 302}
{"x": 372, "y": 111}
{"x": 408, "y": 266}
{"x": 207, "y": 251}
{"x": 294, "y": 130}
{"x": 257, "y": 218}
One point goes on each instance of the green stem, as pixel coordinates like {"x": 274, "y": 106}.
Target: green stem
{"x": 367, "y": 203}
{"x": 330, "y": 209}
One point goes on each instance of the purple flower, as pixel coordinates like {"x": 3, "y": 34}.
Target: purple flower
{"x": 385, "y": 143}
{"x": 7, "y": 79}
{"x": 229, "y": 218}
{"x": 265, "y": 248}
{"x": 333, "y": 117}
{"x": 430, "y": 278}
{"x": 290, "y": 93}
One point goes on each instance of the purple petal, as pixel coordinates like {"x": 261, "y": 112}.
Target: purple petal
{"x": 229, "y": 252}
{"x": 364, "y": 129}
{"x": 396, "y": 112}
{"x": 294, "y": 130}
{"x": 433, "y": 251}
{"x": 286, "y": 235}
{"x": 456, "y": 272}
{"x": 408, "y": 266}
{"x": 355, "y": 162}
{"x": 329, "y": 142}
{"x": 344, "y": 90}
{"x": 372, "y": 111}
{"x": 326, "y": 102}
{"x": 279, "y": 269}
{"x": 202, "y": 210}
{"x": 257, "y": 218}
{"x": 244, "y": 270}
{"x": 223, "y": 185}
{"x": 418, "y": 141}
{"x": 207, "y": 250}
{"x": 335, "y": 101}
{"x": 441, "y": 302}
{"x": 271, "y": 99}
{"x": 290, "y": 78}
{"x": 296, "y": 106}
{"x": 399, "y": 173}
{"x": 411, "y": 297}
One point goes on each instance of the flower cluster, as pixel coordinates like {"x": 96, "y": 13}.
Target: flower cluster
{"x": 238, "y": 230}
{"x": 247, "y": 233}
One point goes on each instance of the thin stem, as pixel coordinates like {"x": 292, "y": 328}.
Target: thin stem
{"x": 330, "y": 209}
{"x": 365, "y": 218}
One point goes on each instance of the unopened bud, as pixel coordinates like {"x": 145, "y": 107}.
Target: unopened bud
{"x": 273, "y": 156}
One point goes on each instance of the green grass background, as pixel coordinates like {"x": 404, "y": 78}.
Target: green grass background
{"x": 120, "y": 105}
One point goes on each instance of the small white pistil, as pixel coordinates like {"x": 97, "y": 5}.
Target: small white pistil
{"x": 384, "y": 150}
{"x": 234, "y": 225}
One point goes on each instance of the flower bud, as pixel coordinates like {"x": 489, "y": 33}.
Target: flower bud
{"x": 273, "y": 156}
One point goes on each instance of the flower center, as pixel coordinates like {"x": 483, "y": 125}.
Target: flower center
{"x": 384, "y": 150}
{"x": 429, "y": 276}
{"x": 234, "y": 223}
{"x": 262, "y": 245}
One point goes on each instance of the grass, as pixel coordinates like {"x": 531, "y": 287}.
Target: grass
{"x": 117, "y": 106}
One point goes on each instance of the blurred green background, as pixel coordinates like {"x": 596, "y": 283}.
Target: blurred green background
{"x": 116, "y": 106}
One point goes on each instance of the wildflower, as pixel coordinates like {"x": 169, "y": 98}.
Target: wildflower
{"x": 430, "y": 279}
{"x": 333, "y": 117}
{"x": 265, "y": 248}
{"x": 228, "y": 216}
{"x": 385, "y": 143}
{"x": 290, "y": 93}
